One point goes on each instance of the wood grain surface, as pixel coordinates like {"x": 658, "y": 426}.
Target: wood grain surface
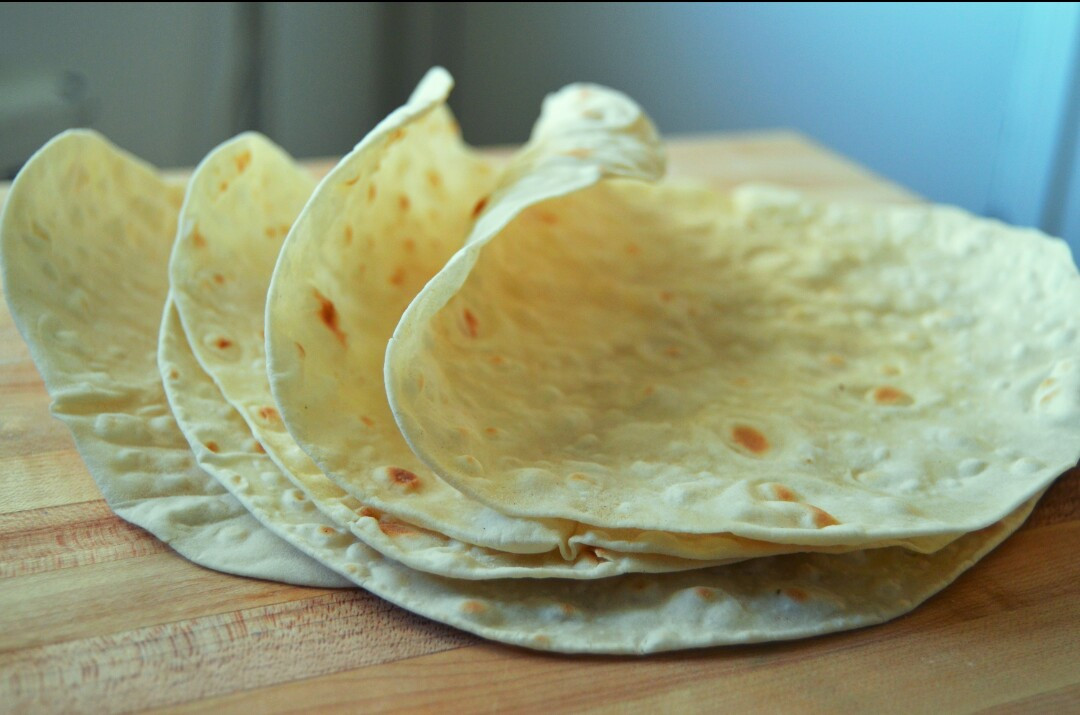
{"x": 98, "y": 616}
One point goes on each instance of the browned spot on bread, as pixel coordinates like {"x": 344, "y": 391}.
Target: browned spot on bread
{"x": 887, "y": 395}
{"x": 198, "y": 239}
{"x": 372, "y": 192}
{"x": 473, "y": 607}
{"x": 398, "y": 276}
{"x": 223, "y": 186}
{"x": 173, "y": 374}
{"x": 352, "y": 181}
{"x": 666, "y": 296}
{"x": 329, "y": 316}
{"x": 396, "y": 528}
{"x": 38, "y": 231}
{"x": 368, "y": 422}
{"x": 242, "y": 160}
{"x": 633, "y": 249}
{"x": 480, "y": 205}
{"x": 649, "y": 389}
{"x": 269, "y": 413}
{"x": 434, "y": 178}
{"x": 547, "y": 217}
{"x": 705, "y": 594}
{"x": 409, "y": 245}
{"x": 259, "y": 448}
{"x": 835, "y": 360}
{"x": 567, "y": 609}
{"x": 300, "y": 349}
{"x": 404, "y": 478}
{"x": 823, "y": 518}
{"x": 299, "y": 496}
{"x": 223, "y": 343}
{"x": 369, "y": 511}
{"x": 593, "y": 114}
{"x": 797, "y": 594}
{"x": 673, "y": 351}
{"x": 750, "y": 439}
{"x": 396, "y": 135}
{"x": 783, "y": 493}
{"x": 212, "y": 446}
{"x": 1049, "y": 396}
{"x": 580, "y": 153}
{"x": 496, "y": 360}
{"x": 347, "y": 235}
{"x": 741, "y": 381}
{"x": 403, "y": 202}
{"x": 541, "y": 640}
{"x": 420, "y": 381}
{"x": 327, "y": 530}
{"x": 491, "y": 431}
{"x": 270, "y": 232}
{"x": 472, "y": 325}
{"x": 218, "y": 278}
{"x": 890, "y": 370}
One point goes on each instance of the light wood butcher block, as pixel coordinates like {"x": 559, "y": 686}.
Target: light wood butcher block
{"x": 96, "y": 615}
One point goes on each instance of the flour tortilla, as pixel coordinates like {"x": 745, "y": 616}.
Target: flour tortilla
{"x": 664, "y": 358}
{"x": 761, "y": 599}
{"x": 83, "y": 242}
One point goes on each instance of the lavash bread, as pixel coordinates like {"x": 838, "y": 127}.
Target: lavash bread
{"x": 757, "y": 599}
{"x": 84, "y": 239}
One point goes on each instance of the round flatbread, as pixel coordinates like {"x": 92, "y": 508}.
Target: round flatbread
{"x": 84, "y": 240}
{"x": 667, "y": 358}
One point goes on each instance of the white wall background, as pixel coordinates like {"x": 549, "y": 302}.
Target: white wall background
{"x": 966, "y": 104}
{"x": 971, "y": 104}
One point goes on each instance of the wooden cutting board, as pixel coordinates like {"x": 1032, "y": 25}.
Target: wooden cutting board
{"x": 97, "y": 615}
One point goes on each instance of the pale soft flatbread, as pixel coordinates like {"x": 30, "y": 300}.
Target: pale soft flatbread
{"x": 84, "y": 237}
{"x": 761, "y": 599}
{"x": 666, "y": 358}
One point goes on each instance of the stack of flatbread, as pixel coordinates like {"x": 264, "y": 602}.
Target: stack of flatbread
{"x": 553, "y": 401}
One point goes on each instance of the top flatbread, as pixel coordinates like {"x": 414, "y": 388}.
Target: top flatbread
{"x": 766, "y": 365}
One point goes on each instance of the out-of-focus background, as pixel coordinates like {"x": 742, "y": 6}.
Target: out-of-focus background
{"x": 971, "y": 104}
